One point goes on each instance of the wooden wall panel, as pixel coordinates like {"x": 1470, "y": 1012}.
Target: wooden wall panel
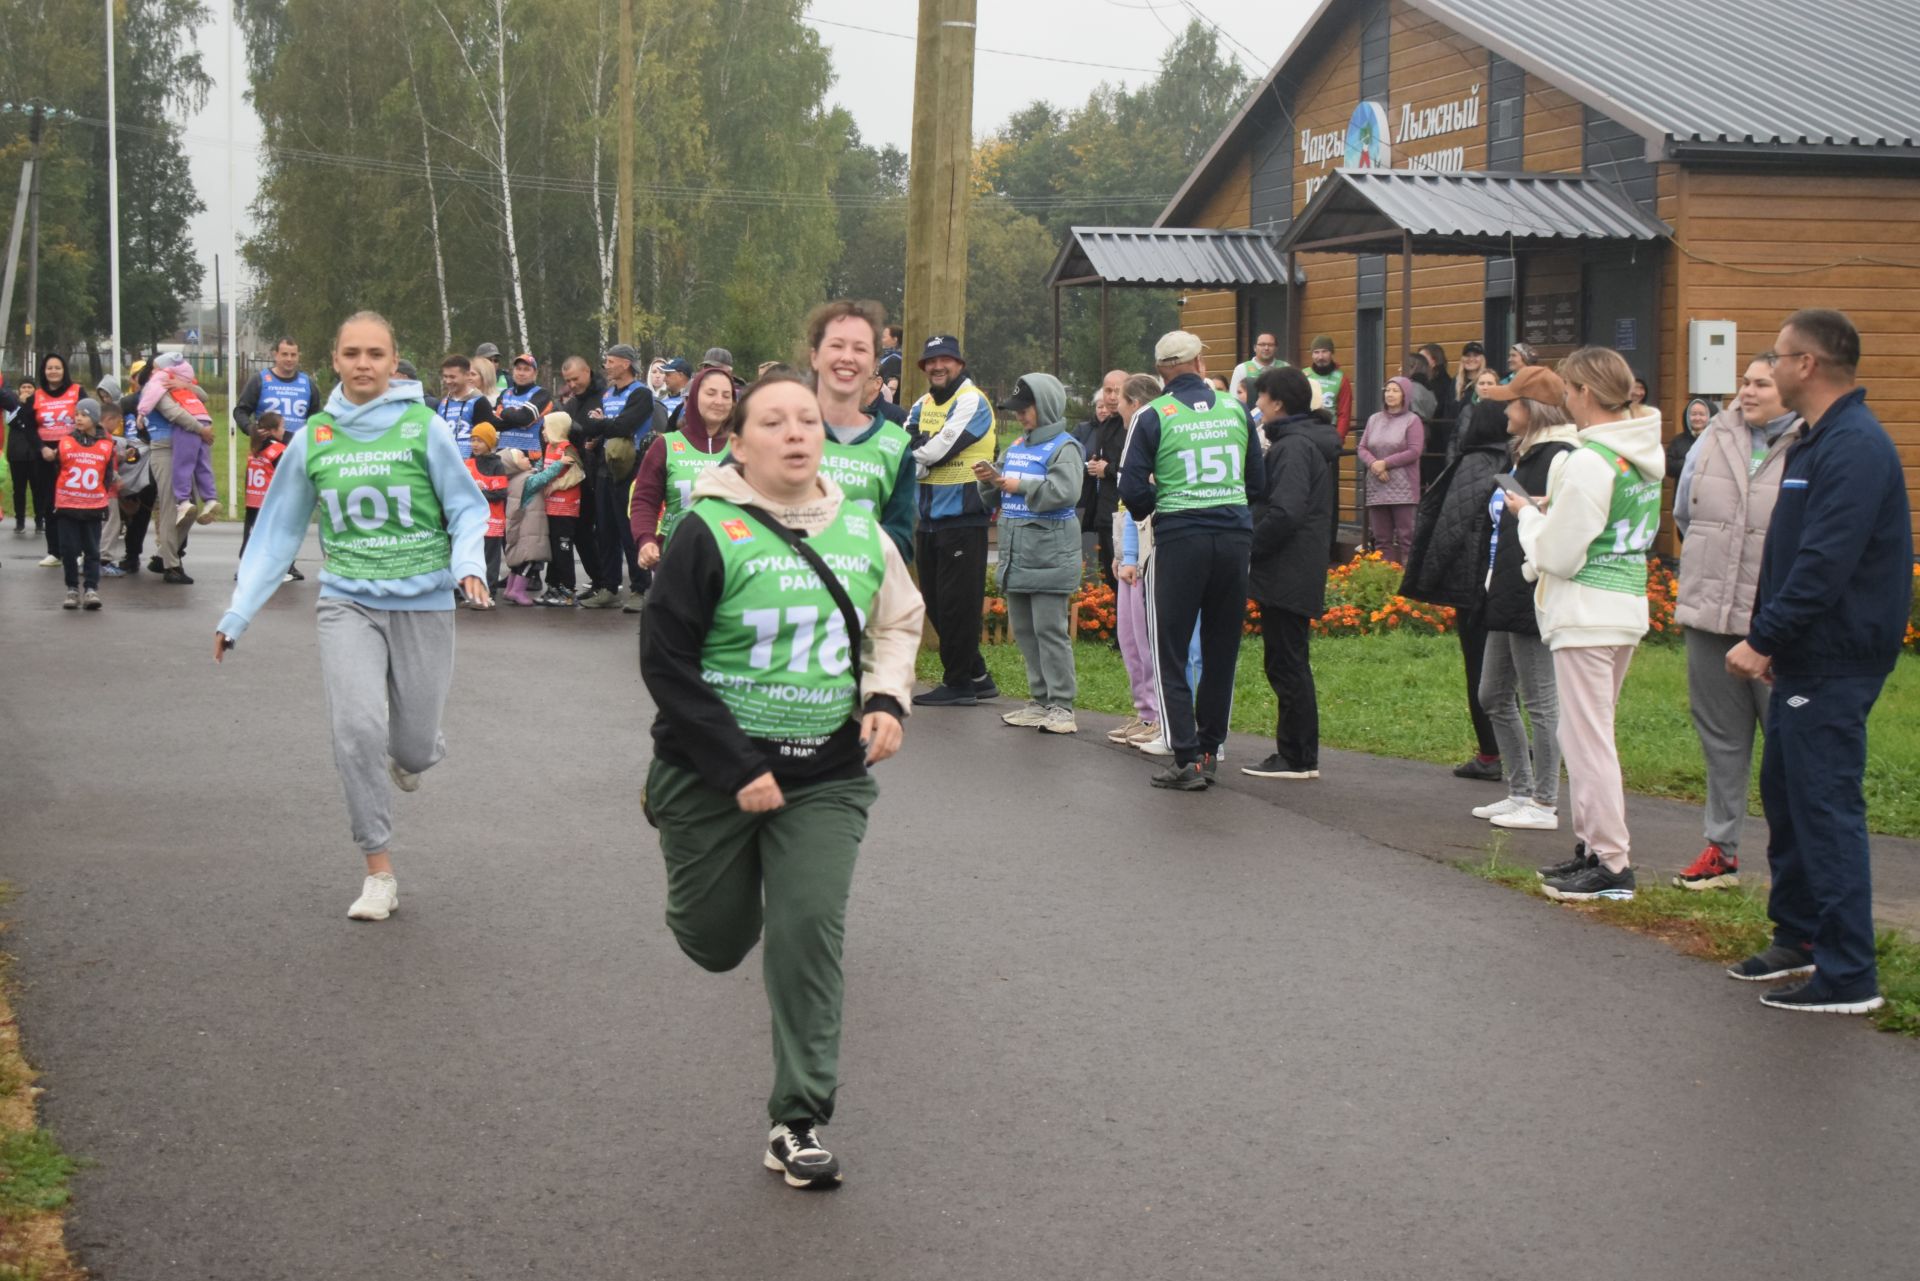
{"x": 1214, "y": 317}
{"x": 1556, "y": 130}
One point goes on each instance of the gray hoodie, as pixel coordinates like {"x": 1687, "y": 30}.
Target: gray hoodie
{"x": 1044, "y": 555}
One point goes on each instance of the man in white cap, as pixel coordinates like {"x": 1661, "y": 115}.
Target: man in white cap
{"x": 1194, "y": 464}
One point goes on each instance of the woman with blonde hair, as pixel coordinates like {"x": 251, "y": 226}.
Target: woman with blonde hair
{"x": 1586, "y": 549}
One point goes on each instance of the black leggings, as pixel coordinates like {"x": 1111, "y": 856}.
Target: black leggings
{"x": 40, "y": 477}
{"x": 1473, "y": 648}
{"x": 560, "y": 531}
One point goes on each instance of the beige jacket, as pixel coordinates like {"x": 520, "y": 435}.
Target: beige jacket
{"x": 1726, "y": 519}
{"x": 891, "y": 642}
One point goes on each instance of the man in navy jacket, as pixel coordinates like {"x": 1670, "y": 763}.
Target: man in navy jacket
{"x": 1836, "y": 585}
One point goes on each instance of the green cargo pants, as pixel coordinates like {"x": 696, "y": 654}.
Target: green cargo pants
{"x": 720, "y": 864}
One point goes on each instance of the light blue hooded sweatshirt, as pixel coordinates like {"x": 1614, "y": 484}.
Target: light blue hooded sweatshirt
{"x": 291, "y": 499}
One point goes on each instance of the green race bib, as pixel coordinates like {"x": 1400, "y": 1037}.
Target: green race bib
{"x": 1202, "y": 455}
{"x": 380, "y": 517}
{"x": 1617, "y": 559}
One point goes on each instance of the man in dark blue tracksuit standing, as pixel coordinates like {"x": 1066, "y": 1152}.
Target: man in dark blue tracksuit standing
{"x": 1836, "y": 585}
{"x": 1192, "y": 463}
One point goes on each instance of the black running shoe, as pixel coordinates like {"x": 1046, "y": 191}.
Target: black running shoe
{"x": 946, "y": 696}
{"x": 1210, "y": 768}
{"x": 155, "y": 565}
{"x": 1182, "y": 778}
{"x": 177, "y": 576}
{"x": 1775, "y": 963}
{"x": 1278, "y": 766}
{"x": 1815, "y": 997}
{"x": 984, "y": 689}
{"x": 794, "y": 1150}
{"x": 1595, "y": 882}
{"x": 296, "y": 575}
{"x": 131, "y": 565}
{"x": 1580, "y": 862}
{"x": 1487, "y": 770}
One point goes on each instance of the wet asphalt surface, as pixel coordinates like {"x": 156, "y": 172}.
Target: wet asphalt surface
{"x": 1092, "y": 1029}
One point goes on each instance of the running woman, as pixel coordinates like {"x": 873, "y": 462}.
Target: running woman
{"x": 759, "y": 781}
{"x": 869, "y": 457}
{"x": 403, "y": 522}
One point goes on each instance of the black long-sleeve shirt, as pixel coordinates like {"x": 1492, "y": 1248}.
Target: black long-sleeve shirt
{"x": 694, "y": 729}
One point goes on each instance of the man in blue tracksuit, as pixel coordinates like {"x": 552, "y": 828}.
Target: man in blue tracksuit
{"x": 1193, "y": 463}
{"x": 1836, "y": 585}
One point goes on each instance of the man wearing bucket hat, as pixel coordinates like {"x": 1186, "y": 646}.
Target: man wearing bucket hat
{"x": 952, "y": 426}
{"x": 1194, "y": 464}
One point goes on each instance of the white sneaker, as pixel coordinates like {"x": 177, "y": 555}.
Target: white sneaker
{"x": 49, "y": 562}
{"x": 401, "y": 779}
{"x": 1530, "y": 817}
{"x": 209, "y": 512}
{"x": 1028, "y": 717}
{"x": 1156, "y": 747}
{"x": 1505, "y": 805}
{"x": 1059, "y": 720}
{"x": 379, "y": 899}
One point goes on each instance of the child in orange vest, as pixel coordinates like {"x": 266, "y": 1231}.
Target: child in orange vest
{"x": 490, "y": 473}
{"x": 269, "y": 442}
{"x": 559, "y": 478}
{"x": 84, "y": 483}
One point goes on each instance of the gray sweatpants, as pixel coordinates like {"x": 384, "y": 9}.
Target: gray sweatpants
{"x": 1042, "y": 629}
{"x": 386, "y": 674}
{"x": 166, "y": 535}
{"x": 1726, "y": 710}
{"x": 1519, "y": 668}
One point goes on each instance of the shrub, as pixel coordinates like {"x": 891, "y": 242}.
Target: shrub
{"x": 1663, "y": 589}
{"x": 1363, "y": 598}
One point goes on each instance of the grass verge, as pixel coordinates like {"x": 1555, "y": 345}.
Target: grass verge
{"x": 1722, "y": 926}
{"x": 1405, "y": 696}
{"x": 33, "y": 1169}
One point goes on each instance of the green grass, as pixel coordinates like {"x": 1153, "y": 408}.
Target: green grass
{"x": 33, "y": 1173}
{"x": 1404, "y": 696}
{"x": 1724, "y": 926}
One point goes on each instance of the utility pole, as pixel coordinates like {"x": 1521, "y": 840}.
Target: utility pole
{"x": 623, "y": 199}
{"x": 33, "y": 242}
{"x": 113, "y": 196}
{"x": 13, "y": 260}
{"x": 940, "y": 181}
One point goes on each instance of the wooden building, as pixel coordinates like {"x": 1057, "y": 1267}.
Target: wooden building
{"x": 1564, "y": 173}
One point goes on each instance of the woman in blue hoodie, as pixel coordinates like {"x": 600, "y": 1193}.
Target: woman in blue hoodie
{"x": 403, "y": 522}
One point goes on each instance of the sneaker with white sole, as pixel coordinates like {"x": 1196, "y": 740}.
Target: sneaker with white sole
{"x": 1529, "y": 818}
{"x": 1596, "y": 882}
{"x": 1278, "y": 766}
{"x": 1505, "y": 805}
{"x": 1027, "y": 717}
{"x": 49, "y": 562}
{"x": 1059, "y": 720}
{"x": 1773, "y": 964}
{"x": 73, "y": 599}
{"x": 1815, "y": 997}
{"x": 794, "y": 1151}
{"x": 209, "y": 512}
{"x": 403, "y": 780}
{"x": 1146, "y": 732}
{"x": 1124, "y": 733}
{"x": 1155, "y": 746}
{"x": 379, "y": 899}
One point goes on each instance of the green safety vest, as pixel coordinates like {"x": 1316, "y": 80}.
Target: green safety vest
{"x": 380, "y": 517}
{"x": 1328, "y": 385}
{"x": 777, "y": 651}
{"x": 684, "y": 465}
{"x": 868, "y": 471}
{"x": 1203, "y": 455}
{"x": 1617, "y": 559}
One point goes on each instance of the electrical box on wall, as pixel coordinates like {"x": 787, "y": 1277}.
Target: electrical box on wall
{"x": 1712, "y": 358}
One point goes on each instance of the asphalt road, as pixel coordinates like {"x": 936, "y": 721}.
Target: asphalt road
{"x": 1092, "y": 1029}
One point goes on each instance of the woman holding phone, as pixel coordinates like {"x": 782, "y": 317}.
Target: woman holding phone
{"x": 772, "y": 706}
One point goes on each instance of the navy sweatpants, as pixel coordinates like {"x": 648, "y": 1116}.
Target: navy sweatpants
{"x": 1810, "y": 785}
{"x": 1198, "y": 577}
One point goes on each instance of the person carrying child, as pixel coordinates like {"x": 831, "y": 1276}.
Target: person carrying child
{"x": 83, "y": 486}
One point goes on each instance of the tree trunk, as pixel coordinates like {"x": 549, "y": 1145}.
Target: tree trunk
{"x": 506, "y": 185}
{"x": 433, "y": 207}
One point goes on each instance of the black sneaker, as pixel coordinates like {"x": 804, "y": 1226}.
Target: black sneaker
{"x": 131, "y": 565}
{"x": 155, "y": 565}
{"x": 1815, "y": 997}
{"x": 945, "y": 696}
{"x": 296, "y": 575}
{"x": 1480, "y": 767}
{"x": 1210, "y": 768}
{"x": 178, "y": 576}
{"x": 1278, "y": 766}
{"x": 1775, "y": 963}
{"x": 984, "y": 689}
{"x": 1182, "y": 778}
{"x": 794, "y": 1150}
{"x": 1593, "y": 883}
{"x": 1580, "y": 862}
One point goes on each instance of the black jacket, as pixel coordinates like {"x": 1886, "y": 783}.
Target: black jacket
{"x": 1099, "y": 498}
{"x": 1509, "y": 594}
{"x": 1448, "y": 563}
{"x": 1289, "y": 569}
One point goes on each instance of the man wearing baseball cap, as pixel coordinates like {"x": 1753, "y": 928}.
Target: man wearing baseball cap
{"x": 1194, "y": 464}
{"x": 952, "y": 426}
{"x": 674, "y": 373}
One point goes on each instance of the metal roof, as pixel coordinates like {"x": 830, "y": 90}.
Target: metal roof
{"x": 1841, "y": 73}
{"x": 1175, "y": 258}
{"x": 1462, "y": 213}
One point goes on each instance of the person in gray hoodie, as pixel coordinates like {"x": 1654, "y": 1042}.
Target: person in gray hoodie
{"x": 1036, "y": 485}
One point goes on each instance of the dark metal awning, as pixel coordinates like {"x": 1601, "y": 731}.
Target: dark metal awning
{"x": 1393, "y": 210}
{"x": 1168, "y": 258}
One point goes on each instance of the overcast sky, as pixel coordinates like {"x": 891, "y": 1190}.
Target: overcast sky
{"x": 872, "y": 46}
